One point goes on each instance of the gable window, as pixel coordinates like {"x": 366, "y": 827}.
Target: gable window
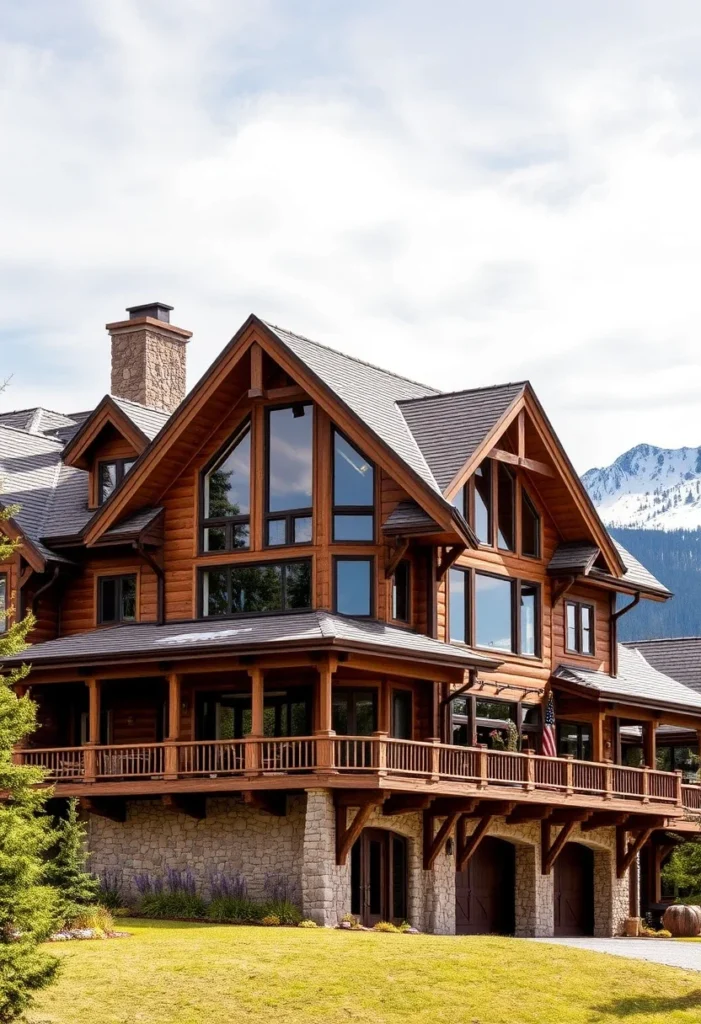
{"x": 579, "y": 628}
{"x": 401, "y": 590}
{"x": 110, "y": 475}
{"x": 506, "y": 612}
{"x": 3, "y": 602}
{"x": 289, "y": 448}
{"x": 256, "y": 589}
{"x": 506, "y": 499}
{"x": 530, "y": 528}
{"x": 353, "y": 493}
{"x": 482, "y": 517}
{"x": 353, "y": 586}
{"x": 116, "y": 599}
{"x": 226, "y": 497}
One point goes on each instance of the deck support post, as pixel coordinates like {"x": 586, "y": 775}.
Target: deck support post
{"x": 324, "y": 732}
{"x": 90, "y": 757}
{"x": 649, "y": 744}
{"x": 171, "y": 751}
{"x": 252, "y": 756}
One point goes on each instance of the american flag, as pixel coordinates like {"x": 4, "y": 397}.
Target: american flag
{"x": 549, "y": 742}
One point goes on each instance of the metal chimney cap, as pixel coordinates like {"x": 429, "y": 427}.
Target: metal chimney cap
{"x": 155, "y": 310}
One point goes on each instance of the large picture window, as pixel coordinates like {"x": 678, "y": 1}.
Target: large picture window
{"x": 353, "y": 493}
{"x": 289, "y": 447}
{"x": 226, "y": 497}
{"x": 110, "y": 475}
{"x": 116, "y": 599}
{"x": 256, "y": 589}
{"x": 353, "y": 586}
{"x": 496, "y": 612}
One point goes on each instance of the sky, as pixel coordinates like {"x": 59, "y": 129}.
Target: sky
{"x": 464, "y": 192}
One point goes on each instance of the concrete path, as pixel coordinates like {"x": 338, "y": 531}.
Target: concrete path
{"x": 659, "y": 951}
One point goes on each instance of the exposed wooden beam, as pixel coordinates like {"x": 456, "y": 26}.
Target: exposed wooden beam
{"x": 529, "y": 812}
{"x": 395, "y": 556}
{"x": 521, "y": 428}
{"x": 550, "y": 852}
{"x": 113, "y": 808}
{"x": 564, "y": 815}
{"x": 494, "y": 807}
{"x": 453, "y": 805}
{"x": 291, "y": 393}
{"x": 271, "y": 802}
{"x": 358, "y": 797}
{"x": 466, "y": 848}
{"x": 256, "y": 388}
{"x": 515, "y": 460}
{"x": 192, "y": 805}
{"x": 449, "y": 556}
{"x": 603, "y": 819}
{"x": 433, "y": 845}
{"x": 346, "y": 835}
{"x": 402, "y": 803}
{"x": 626, "y": 854}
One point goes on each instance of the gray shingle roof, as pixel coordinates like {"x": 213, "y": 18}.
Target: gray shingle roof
{"x": 133, "y": 525}
{"x": 678, "y": 657}
{"x": 636, "y": 680}
{"x": 36, "y": 421}
{"x": 635, "y": 574}
{"x": 307, "y": 629}
{"x": 449, "y": 428}
{"x": 149, "y": 421}
{"x": 573, "y": 558}
{"x": 408, "y": 517}
{"x": 29, "y": 467}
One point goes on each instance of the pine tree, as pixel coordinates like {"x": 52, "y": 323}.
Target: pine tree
{"x": 66, "y": 868}
{"x": 27, "y": 904}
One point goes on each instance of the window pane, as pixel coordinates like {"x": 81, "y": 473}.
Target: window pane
{"x": 353, "y": 583}
{"x": 108, "y": 479}
{"x": 299, "y": 719}
{"x": 353, "y": 476}
{"x": 568, "y": 739}
{"x": 498, "y": 709}
{"x": 3, "y": 603}
{"x": 277, "y": 532}
{"x": 108, "y": 600}
{"x": 353, "y": 527}
{"x": 493, "y": 612}
{"x": 459, "y": 706}
{"x": 240, "y": 535}
{"x": 586, "y": 625}
{"x": 530, "y": 528}
{"x": 400, "y": 592}
{"x": 225, "y": 722}
{"x": 460, "y": 734}
{"x": 505, "y": 500}
{"x": 531, "y": 714}
{"x": 529, "y": 614}
{"x": 571, "y": 612}
{"x": 483, "y": 502}
{"x": 364, "y": 714}
{"x": 127, "y": 465}
{"x": 585, "y": 745}
{"x": 256, "y": 588}
{"x": 303, "y": 530}
{"x": 227, "y": 487}
{"x": 401, "y": 714}
{"x": 290, "y": 458}
{"x": 298, "y": 585}
{"x": 215, "y": 538}
{"x": 214, "y": 596}
{"x": 339, "y": 714}
{"x": 457, "y": 603}
{"x": 128, "y": 598}
{"x": 460, "y": 501}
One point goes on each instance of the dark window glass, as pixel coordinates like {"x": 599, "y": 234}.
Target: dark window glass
{"x": 108, "y": 479}
{"x": 226, "y": 497}
{"x": 401, "y": 586}
{"x": 353, "y": 493}
{"x": 401, "y": 714}
{"x": 3, "y": 603}
{"x": 574, "y": 740}
{"x": 117, "y": 599}
{"x": 501, "y": 710}
{"x": 633, "y": 756}
{"x": 215, "y": 538}
{"x": 529, "y": 619}
{"x": 250, "y": 589}
{"x": 530, "y": 528}
{"x": 290, "y": 458}
{"x": 457, "y": 605}
{"x": 460, "y": 501}
{"x": 483, "y": 502}
{"x": 493, "y": 612}
{"x": 586, "y": 627}
{"x": 350, "y": 527}
{"x": 354, "y": 712}
{"x": 579, "y": 628}
{"x": 353, "y": 586}
{"x": 571, "y": 613}
{"x": 505, "y": 500}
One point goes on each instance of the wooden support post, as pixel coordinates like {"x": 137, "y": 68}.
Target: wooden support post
{"x": 171, "y": 753}
{"x": 631, "y": 852}
{"x": 253, "y": 758}
{"x": 434, "y": 844}
{"x": 90, "y": 754}
{"x": 521, "y": 428}
{"x": 598, "y": 737}
{"x": 324, "y": 743}
{"x": 468, "y": 847}
{"x": 549, "y": 853}
{"x": 256, "y": 388}
{"x": 569, "y": 775}
{"x": 646, "y": 785}
{"x": 608, "y": 783}
{"x": 530, "y": 771}
{"x": 346, "y": 835}
{"x": 649, "y": 744}
{"x": 679, "y": 791}
{"x": 384, "y": 710}
{"x": 483, "y": 767}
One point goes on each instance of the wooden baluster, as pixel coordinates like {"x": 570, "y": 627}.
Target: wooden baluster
{"x": 380, "y": 744}
{"x": 608, "y": 782}
{"x": 569, "y": 775}
{"x": 678, "y": 789}
{"x": 483, "y": 767}
{"x": 646, "y": 785}
{"x": 530, "y": 771}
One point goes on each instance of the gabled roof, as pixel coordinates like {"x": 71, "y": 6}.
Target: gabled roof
{"x": 137, "y": 423}
{"x": 29, "y": 467}
{"x": 677, "y": 657}
{"x": 637, "y": 681}
{"x": 36, "y": 420}
{"x": 449, "y": 428}
{"x": 315, "y": 629}
{"x": 149, "y": 421}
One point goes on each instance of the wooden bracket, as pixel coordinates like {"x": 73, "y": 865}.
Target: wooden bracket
{"x": 346, "y": 835}
{"x": 564, "y": 815}
{"x": 395, "y": 556}
{"x": 533, "y": 465}
{"x": 449, "y": 556}
{"x": 443, "y": 805}
{"x": 560, "y": 588}
{"x": 192, "y": 805}
{"x": 113, "y": 808}
{"x": 270, "y": 802}
{"x": 549, "y": 853}
{"x": 467, "y": 847}
{"x": 529, "y": 812}
{"x": 434, "y": 844}
{"x": 600, "y": 819}
{"x": 401, "y": 803}
{"x": 500, "y": 808}
{"x": 626, "y": 854}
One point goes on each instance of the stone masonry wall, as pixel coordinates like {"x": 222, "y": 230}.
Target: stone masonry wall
{"x": 148, "y": 367}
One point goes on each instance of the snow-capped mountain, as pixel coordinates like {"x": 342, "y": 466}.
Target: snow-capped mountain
{"x": 649, "y": 488}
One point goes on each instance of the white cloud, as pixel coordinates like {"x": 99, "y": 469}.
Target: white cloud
{"x": 468, "y": 198}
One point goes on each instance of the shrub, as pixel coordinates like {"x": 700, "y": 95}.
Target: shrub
{"x": 173, "y": 905}
{"x": 97, "y": 918}
{"x": 307, "y": 923}
{"x": 663, "y": 934}
{"x": 405, "y": 926}
{"x": 280, "y": 889}
{"x": 235, "y": 909}
{"x": 111, "y": 894}
{"x": 223, "y": 886}
{"x": 288, "y": 912}
{"x": 385, "y": 926}
{"x": 271, "y": 921}
{"x": 350, "y": 919}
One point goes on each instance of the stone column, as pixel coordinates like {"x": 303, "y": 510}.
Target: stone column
{"x": 325, "y": 885}
{"x": 439, "y": 896}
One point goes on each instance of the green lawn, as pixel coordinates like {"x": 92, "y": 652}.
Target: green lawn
{"x": 207, "y": 974}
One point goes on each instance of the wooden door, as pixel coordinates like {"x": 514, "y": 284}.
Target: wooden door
{"x": 485, "y": 890}
{"x": 379, "y": 877}
{"x": 574, "y": 891}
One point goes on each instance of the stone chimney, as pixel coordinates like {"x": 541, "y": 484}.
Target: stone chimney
{"x": 148, "y": 357}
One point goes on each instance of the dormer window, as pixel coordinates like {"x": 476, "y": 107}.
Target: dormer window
{"x": 110, "y": 476}
{"x": 226, "y": 496}
{"x": 353, "y": 493}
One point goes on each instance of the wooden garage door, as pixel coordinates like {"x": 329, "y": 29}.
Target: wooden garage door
{"x": 574, "y": 891}
{"x": 485, "y": 890}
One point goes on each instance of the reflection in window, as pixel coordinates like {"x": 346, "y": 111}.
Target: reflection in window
{"x": 506, "y": 495}
{"x": 530, "y": 528}
{"x": 353, "y": 586}
{"x": 457, "y": 605}
{"x": 226, "y": 497}
{"x": 493, "y": 610}
{"x": 401, "y": 584}
{"x": 116, "y": 599}
{"x": 353, "y": 493}
{"x": 227, "y": 716}
{"x": 579, "y": 628}
{"x": 354, "y": 712}
{"x": 110, "y": 475}
{"x": 574, "y": 740}
{"x": 529, "y": 616}
{"x": 401, "y": 714}
{"x": 289, "y": 480}
{"x": 247, "y": 589}
{"x": 483, "y": 502}
{"x": 3, "y": 602}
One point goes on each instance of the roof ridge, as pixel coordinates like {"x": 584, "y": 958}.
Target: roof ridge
{"x": 464, "y": 391}
{"x": 138, "y": 405}
{"x": 33, "y": 408}
{"x": 355, "y": 359}
{"x": 49, "y": 503}
{"x": 28, "y": 433}
{"x": 658, "y": 640}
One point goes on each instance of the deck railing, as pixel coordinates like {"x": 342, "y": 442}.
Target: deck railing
{"x": 429, "y": 760}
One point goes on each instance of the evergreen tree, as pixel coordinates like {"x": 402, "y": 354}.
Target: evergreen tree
{"x": 27, "y": 904}
{"x": 684, "y": 870}
{"x": 66, "y": 868}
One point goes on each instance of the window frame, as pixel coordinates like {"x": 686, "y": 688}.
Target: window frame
{"x": 517, "y": 584}
{"x": 227, "y": 523}
{"x": 288, "y": 516}
{"x": 229, "y": 566}
{"x": 351, "y": 510}
{"x": 334, "y": 578}
{"x": 406, "y": 562}
{"x": 119, "y": 474}
{"x": 119, "y": 577}
{"x": 577, "y": 650}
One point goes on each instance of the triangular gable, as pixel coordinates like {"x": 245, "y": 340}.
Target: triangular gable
{"x": 383, "y": 437}
{"x": 105, "y": 415}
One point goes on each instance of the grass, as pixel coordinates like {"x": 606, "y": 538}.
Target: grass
{"x": 169, "y": 973}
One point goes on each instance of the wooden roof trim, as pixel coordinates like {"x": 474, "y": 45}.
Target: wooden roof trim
{"x": 106, "y": 412}
{"x": 254, "y": 330}
{"x": 28, "y": 551}
{"x": 503, "y": 424}
{"x": 643, "y": 708}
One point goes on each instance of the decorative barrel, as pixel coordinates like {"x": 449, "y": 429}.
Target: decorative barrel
{"x": 682, "y": 921}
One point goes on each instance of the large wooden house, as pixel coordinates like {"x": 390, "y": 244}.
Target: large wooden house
{"x": 306, "y": 619}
